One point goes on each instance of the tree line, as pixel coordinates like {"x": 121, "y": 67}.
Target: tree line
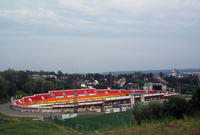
{"x": 23, "y": 82}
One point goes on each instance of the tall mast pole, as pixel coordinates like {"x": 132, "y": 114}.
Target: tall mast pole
{"x": 75, "y": 99}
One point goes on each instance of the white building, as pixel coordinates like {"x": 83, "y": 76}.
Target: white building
{"x": 173, "y": 73}
{"x": 155, "y": 86}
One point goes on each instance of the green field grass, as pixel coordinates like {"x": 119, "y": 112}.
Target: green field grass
{"x": 28, "y": 126}
{"x": 99, "y": 122}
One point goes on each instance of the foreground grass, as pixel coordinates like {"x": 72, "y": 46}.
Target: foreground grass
{"x": 189, "y": 126}
{"x": 28, "y": 126}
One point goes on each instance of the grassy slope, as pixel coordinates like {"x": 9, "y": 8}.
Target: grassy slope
{"x": 177, "y": 127}
{"x": 27, "y": 126}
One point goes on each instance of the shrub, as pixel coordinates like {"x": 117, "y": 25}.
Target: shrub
{"x": 175, "y": 107}
{"x": 196, "y": 100}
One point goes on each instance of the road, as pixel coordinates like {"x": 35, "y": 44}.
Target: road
{"x": 5, "y": 109}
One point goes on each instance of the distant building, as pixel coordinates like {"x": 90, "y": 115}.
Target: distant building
{"x": 83, "y": 85}
{"x": 64, "y": 78}
{"x": 86, "y": 82}
{"x": 154, "y": 86}
{"x": 185, "y": 74}
{"x": 132, "y": 86}
{"x": 95, "y": 82}
{"x": 173, "y": 73}
{"x": 121, "y": 82}
{"x": 114, "y": 82}
{"x": 49, "y": 77}
{"x": 36, "y": 76}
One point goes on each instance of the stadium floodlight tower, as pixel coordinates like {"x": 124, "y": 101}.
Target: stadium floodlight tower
{"x": 75, "y": 101}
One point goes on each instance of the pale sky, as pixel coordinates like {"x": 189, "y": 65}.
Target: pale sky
{"x": 78, "y": 36}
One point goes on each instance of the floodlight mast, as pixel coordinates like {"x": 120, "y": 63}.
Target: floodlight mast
{"x": 75, "y": 101}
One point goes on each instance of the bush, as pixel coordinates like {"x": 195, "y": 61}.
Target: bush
{"x": 156, "y": 110}
{"x": 152, "y": 111}
{"x": 196, "y": 100}
{"x": 175, "y": 107}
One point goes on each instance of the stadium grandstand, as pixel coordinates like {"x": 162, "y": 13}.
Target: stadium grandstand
{"x": 87, "y": 100}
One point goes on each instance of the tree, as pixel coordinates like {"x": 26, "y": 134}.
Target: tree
{"x": 196, "y": 99}
{"x": 161, "y": 74}
{"x": 60, "y": 74}
{"x": 4, "y": 85}
{"x": 176, "y": 107}
{"x": 29, "y": 87}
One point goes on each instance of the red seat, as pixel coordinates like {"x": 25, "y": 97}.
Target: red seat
{"x": 25, "y": 99}
{"x": 163, "y": 92}
{"x": 101, "y": 92}
{"x": 170, "y": 92}
{"x": 114, "y": 91}
{"x": 152, "y": 91}
{"x": 45, "y": 96}
{"x": 35, "y": 98}
{"x": 139, "y": 91}
{"x": 90, "y": 91}
{"x": 81, "y": 92}
{"x": 69, "y": 92}
{"x": 56, "y": 93}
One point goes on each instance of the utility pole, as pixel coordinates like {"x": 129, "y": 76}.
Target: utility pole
{"x": 75, "y": 101}
{"x": 177, "y": 83}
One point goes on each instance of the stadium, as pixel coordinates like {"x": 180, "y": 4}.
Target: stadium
{"x": 87, "y": 100}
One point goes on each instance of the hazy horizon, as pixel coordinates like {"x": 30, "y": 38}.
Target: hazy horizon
{"x": 145, "y": 70}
